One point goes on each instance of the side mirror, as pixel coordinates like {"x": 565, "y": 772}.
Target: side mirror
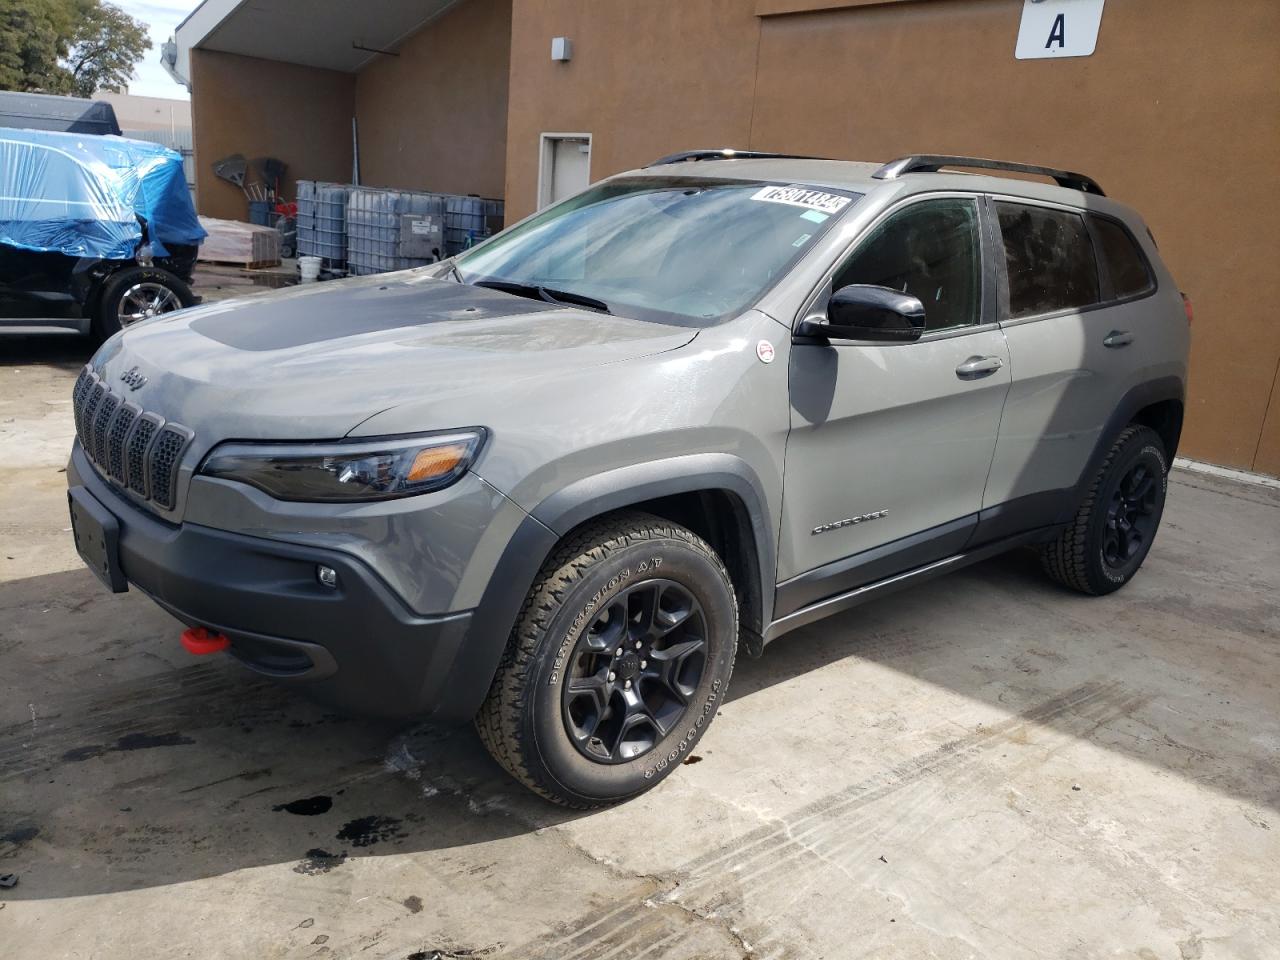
{"x": 862, "y": 311}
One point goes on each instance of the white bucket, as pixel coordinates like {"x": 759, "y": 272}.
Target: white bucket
{"x": 310, "y": 267}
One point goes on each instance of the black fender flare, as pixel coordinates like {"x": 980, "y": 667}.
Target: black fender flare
{"x": 626, "y": 486}
{"x": 477, "y": 661}
{"x": 1139, "y": 397}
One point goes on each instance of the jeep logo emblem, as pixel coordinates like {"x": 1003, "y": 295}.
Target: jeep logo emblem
{"x": 132, "y": 378}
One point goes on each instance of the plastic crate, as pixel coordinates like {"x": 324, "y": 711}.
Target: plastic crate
{"x": 383, "y": 224}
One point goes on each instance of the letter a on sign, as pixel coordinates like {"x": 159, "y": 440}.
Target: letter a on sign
{"x": 1058, "y": 28}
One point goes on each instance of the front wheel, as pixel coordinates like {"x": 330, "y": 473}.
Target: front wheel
{"x": 1112, "y": 532}
{"x": 138, "y": 293}
{"x": 617, "y": 664}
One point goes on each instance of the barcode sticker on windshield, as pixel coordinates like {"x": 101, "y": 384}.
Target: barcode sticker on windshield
{"x": 796, "y": 196}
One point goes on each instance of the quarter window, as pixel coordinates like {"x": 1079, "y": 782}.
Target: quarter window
{"x": 930, "y": 250}
{"x": 1126, "y": 266}
{"x": 1049, "y": 258}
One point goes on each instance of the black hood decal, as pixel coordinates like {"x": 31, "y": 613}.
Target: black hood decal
{"x": 338, "y": 309}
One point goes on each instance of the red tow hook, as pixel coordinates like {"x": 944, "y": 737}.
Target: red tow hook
{"x": 200, "y": 642}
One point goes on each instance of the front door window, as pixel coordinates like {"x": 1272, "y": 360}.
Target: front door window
{"x": 930, "y": 250}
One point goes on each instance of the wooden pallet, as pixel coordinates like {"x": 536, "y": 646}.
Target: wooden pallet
{"x": 241, "y": 265}
{"x": 240, "y": 244}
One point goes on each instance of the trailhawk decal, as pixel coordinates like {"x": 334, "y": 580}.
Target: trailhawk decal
{"x": 796, "y": 196}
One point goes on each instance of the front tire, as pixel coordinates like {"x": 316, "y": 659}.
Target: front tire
{"x": 1112, "y": 532}
{"x": 617, "y": 663}
{"x": 138, "y": 293}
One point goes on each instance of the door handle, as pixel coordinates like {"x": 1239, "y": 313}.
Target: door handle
{"x": 976, "y": 367}
{"x": 1118, "y": 338}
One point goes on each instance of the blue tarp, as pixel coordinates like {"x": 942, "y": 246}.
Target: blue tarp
{"x": 82, "y": 195}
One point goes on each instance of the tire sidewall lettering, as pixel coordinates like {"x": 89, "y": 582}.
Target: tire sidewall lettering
{"x": 691, "y": 737}
{"x": 583, "y": 617}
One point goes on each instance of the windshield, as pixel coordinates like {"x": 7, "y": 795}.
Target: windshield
{"x": 666, "y": 248}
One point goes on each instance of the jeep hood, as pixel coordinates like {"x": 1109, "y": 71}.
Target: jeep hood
{"x": 314, "y": 361}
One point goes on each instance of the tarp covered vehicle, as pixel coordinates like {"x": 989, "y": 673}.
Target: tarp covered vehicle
{"x": 96, "y": 232}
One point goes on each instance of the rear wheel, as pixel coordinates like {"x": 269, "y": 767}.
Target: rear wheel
{"x": 1112, "y": 532}
{"x": 617, "y": 663}
{"x": 139, "y": 293}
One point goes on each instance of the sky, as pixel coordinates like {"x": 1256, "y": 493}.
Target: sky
{"x": 161, "y": 17}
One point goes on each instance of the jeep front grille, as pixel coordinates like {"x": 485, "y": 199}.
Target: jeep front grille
{"x": 135, "y": 449}
{"x": 164, "y": 462}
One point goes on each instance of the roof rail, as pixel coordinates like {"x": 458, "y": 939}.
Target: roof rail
{"x": 932, "y": 163}
{"x": 725, "y": 153}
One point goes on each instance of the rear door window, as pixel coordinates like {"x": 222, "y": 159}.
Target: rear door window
{"x": 1049, "y": 258}
{"x": 1126, "y": 266}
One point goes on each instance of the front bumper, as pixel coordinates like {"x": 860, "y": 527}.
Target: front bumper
{"x": 356, "y": 646}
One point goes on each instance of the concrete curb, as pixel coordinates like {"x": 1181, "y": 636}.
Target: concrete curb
{"x": 1226, "y": 473}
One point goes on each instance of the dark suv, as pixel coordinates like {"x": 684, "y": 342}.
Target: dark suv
{"x": 96, "y": 233}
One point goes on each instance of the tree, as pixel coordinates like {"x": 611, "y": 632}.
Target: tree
{"x": 33, "y": 37}
{"x": 107, "y": 42}
{"x": 68, "y": 46}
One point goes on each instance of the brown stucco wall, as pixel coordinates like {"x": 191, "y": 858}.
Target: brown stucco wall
{"x": 647, "y": 78}
{"x": 1176, "y": 113}
{"x": 300, "y": 115}
{"x": 435, "y": 117}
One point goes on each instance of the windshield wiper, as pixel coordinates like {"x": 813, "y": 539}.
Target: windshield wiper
{"x": 549, "y": 294}
{"x": 552, "y": 295}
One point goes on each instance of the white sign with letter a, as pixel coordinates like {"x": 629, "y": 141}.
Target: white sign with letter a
{"x": 1058, "y": 28}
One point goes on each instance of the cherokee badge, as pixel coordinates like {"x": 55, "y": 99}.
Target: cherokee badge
{"x": 848, "y": 522}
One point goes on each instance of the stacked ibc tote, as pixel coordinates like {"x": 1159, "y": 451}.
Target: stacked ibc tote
{"x": 364, "y": 230}
{"x": 322, "y": 223}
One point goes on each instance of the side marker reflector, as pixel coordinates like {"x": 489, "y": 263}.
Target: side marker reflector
{"x": 200, "y": 642}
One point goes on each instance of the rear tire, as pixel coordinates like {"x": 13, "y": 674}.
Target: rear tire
{"x": 617, "y": 663}
{"x": 1112, "y": 532}
{"x": 136, "y": 293}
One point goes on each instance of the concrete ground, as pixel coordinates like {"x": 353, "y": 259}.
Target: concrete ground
{"x": 987, "y": 766}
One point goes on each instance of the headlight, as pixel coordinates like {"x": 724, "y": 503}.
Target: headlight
{"x": 348, "y": 471}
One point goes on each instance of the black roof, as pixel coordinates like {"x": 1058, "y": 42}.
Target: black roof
{"x": 42, "y": 111}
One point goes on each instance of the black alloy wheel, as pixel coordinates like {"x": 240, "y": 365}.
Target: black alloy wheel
{"x": 634, "y": 671}
{"x": 1132, "y": 516}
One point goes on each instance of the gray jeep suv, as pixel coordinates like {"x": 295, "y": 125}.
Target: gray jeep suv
{"x": 555, "y": 484}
